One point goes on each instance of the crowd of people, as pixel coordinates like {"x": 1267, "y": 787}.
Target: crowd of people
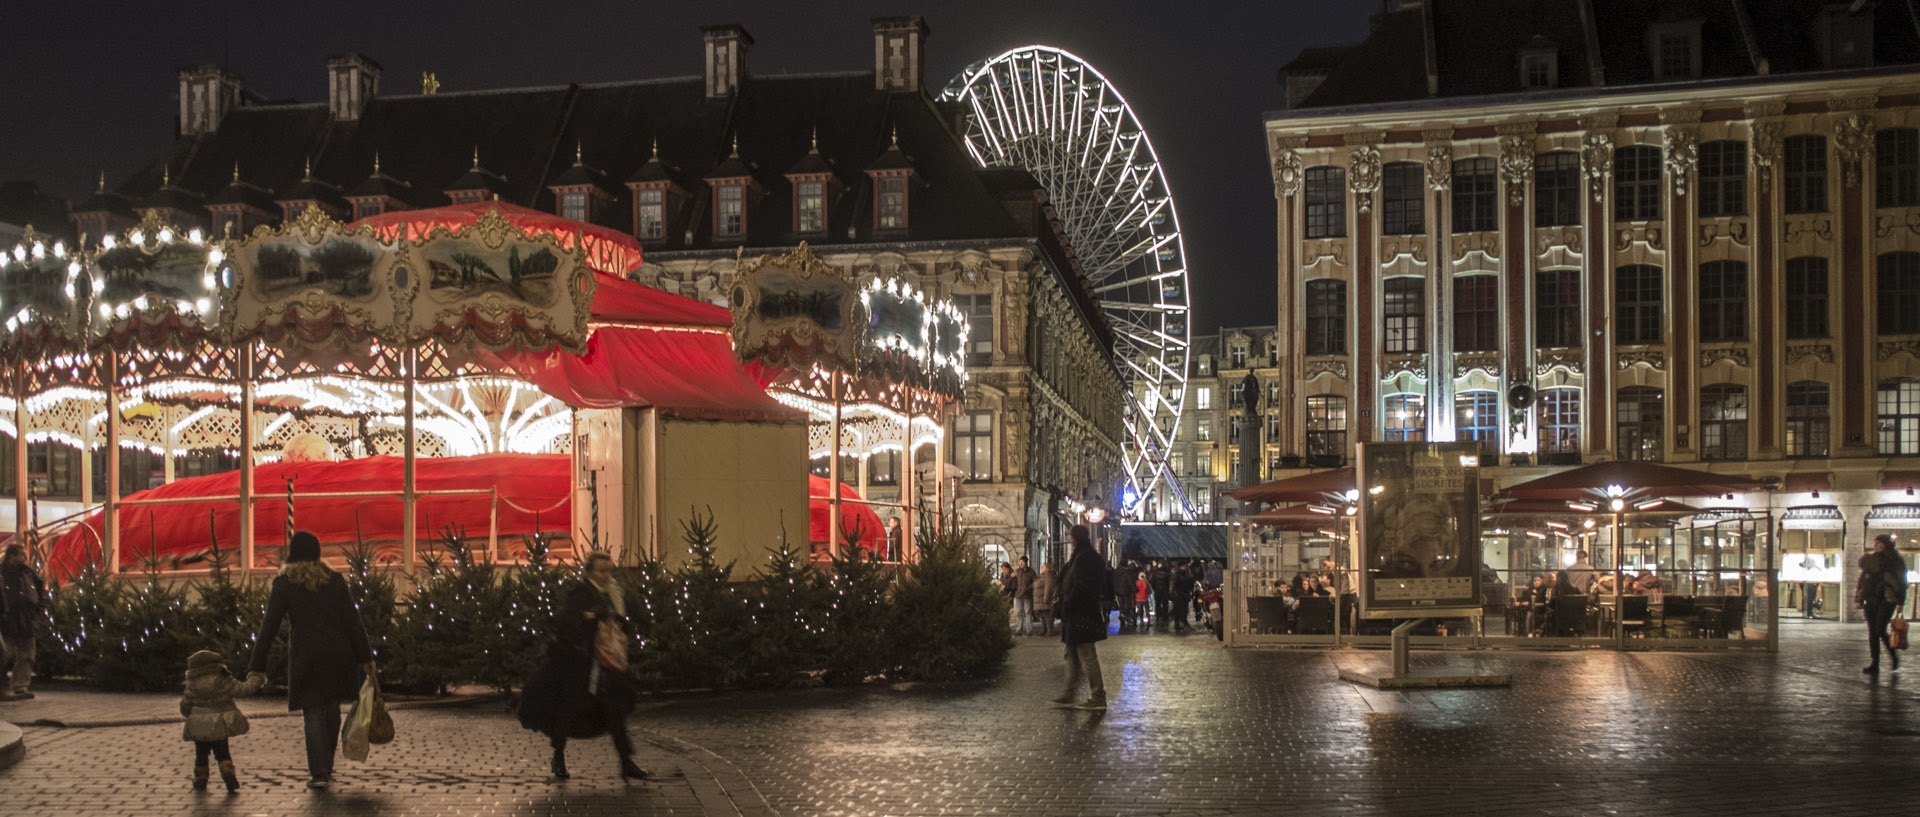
{"x": 1167, "y": 595}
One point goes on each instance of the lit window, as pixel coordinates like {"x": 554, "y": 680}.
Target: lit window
{"x": 1203, "y": 429}
{"x": 1723, "y": 422}
{"x": 1203, "y": 397}
{"x": 1406, "y": 417}
{"x": 893, "y": 203}
{"x": 1240, "y": 356}
{"x": 1899, "y": 401}
{"x": 1808, "y": 426}
{"x": 1641, "y": 423}
{"x": 652, "y": 213}
{"x": 1560, "y": 422}
{"x": 883, "y": 468}
{"x": 573, "y": 206}
{"x": 810, "y": 212}
{"x": 1478, "y": 419}
{"x": 978, "y": 307}
{"x": 1326, "y": 430}
{"x": 973, "y": 444}
{"x": 730, "y": 218}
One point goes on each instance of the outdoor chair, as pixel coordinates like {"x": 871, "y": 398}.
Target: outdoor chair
{"x": 1569, "y": 616}
{"x": 1267, "y": 614}
{"x": 1314, "y": 616}
{"x": 1635, "y": 615}
{"x": 1729, "y": 619}
{"x": 1676, "y": 609}
{"x": 1705, "y": 621}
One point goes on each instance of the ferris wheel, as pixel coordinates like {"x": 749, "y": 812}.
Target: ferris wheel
{"x": 1049, "y": 112}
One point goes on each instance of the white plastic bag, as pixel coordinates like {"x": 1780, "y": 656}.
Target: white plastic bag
{"x": 353, "y": 732}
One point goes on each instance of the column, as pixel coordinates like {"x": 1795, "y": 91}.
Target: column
{"x": 1853, "y": 136}
{"x": 1597, "y": 160}
{"x": 1765, "y": 150}
{"x": 244, "y": 364}
{"x": 1440, "y": 416}
{"x": 1363, "y": 178}
{"x": 1286, "y": 185}
{"x": 1516, "y": 171}
{"x": 1681, "y": 156}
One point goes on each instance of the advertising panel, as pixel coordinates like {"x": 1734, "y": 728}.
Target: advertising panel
{"x": 1419, "y": 537}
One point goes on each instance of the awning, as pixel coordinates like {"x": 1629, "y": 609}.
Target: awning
{"x": 1310, "y": 487}
{"x": 1813, "y": 517}
{"x": 1139, "y": 542}
{"x": 1897, "y": 517}
{"x": 1296, "y": 518}
{"x": 1637, "y": 479}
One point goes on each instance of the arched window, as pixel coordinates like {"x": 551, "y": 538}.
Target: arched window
{"x": 1326, "y": 191}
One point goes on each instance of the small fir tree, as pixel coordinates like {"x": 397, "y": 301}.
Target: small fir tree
{"x": 225, "y": 614}
{"x": 789, "y": 616}
{"x": 703, "y": 629}
{"x": 74, "y": 636}
{"x": 144, "y": 637}
{"x": 529, "y": 596}
{"x": 950, "y": 621}
{"x": 443, "y": 639}
{"x": 858, "y": 614}
{"x": 373, "y": 592}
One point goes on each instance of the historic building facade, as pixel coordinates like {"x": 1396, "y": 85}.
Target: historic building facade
{"x": 862, "y": 166}
{"x": 1211, "y": 450}
{"x": 1590, "y": 230}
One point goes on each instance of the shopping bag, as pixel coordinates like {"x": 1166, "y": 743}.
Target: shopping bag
{"x": 1897, "y": 639}
{"x": 353, "y": 733}
{"x": 380, "y": 727}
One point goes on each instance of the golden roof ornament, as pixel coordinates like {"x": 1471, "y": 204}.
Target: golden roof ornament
{"x": 429, "y": 84}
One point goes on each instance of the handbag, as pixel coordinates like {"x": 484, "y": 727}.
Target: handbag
{"x": 1897, "y": 639}
{"x": 610, "y": 645}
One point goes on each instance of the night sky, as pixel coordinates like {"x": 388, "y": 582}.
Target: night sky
{"x": 90, "y": 86}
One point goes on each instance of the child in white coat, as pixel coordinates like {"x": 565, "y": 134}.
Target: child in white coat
{"x": 212, "y": 717}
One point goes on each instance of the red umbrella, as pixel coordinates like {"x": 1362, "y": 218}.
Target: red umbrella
{"x": 1312, "y": 487}
{"x": 855, "y": 519}
{"x": 1636, "y": 480}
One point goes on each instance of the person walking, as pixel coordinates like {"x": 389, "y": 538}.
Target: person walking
{"x": 326, "y": 653}
{"x": 581, "y": 689}
{"x": 1123, "y": 579}
{"x": 1083, "y": 590}
{"x": 23, "y": 604}
{"x": 1045, "y": 590}
{"x": 212, "y": 717}
{"x": 1161, "y": 580}
{"x": 1881, "y": 592}
{"x": 1023, "y": 598}
{"x": 1181, "y": 592}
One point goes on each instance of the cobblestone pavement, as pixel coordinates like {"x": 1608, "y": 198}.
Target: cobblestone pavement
{"x": 1193, "y": 729}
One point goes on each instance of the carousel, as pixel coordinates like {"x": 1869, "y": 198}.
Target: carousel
{"x": 482, "y": 371}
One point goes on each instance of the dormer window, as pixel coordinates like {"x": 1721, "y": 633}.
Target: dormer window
{"x": 729, "y": 209}
{"x": 1539, "y": 64}
{"x": 650, "y": 213}
{"x": 573, "y": 206}
{"x": 1675, "y": 47}
{"x": 810, "y": 207}
{"x": 890, "y": 203}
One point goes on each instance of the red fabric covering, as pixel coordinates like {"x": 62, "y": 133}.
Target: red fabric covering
{"x": 617, "y": 299}
{"x": 684, "y": 373}
{"x": 853, "y": 516}
{"x": 536, "y": 482}
{"x": 607, "y": 249}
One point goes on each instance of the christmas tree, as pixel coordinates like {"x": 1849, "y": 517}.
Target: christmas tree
{"x": 857, "y": 614}
{"x": 950, "y": 622}
{"x": 528, "y": 598}
{"x": 789, "y": 616}
{"x": 445, "y": 637}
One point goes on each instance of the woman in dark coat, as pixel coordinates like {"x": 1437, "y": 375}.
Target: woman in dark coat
{"x": 1882, "y": 591}
{"x": 326, "y": 654}
{"x": 581, "y": 688}
{"x": 1083, "y": 621}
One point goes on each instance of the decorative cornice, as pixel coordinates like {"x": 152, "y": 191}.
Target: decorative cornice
{"x": 1654, "y": 359}
{"x": 1861, "y": 102}
{"x": 1681, "y": 155}
{"x": 1363, "y": 175}
{"x": 1887, "y": 349}
{"x": 1600, "y": 120}
{"x": 1793, "y": 229}
{"x": 1762, "y": 110}
{"x": 1436, "y": 135}
{"x": 1487, "y": 242}
{"x": 1680, "y": 116}
{"x": 1565, "y": 236}
{"x": 1546, "y": 360}
{"x": 1651, "y": 233}
{"x": 1853, "y": 143}
{"x": 1364, "y": 137}
{"x": 1737, "y": 354}
{"x": 1291, "y": 142}
{"x": 1465, "y": 363}
{"x": 1886, "y": 225}
{"x": 1440, "y": 167}
{"x": 1731, "y": 229}
{"x": 1333, "y": 366}
{"x": 1395, "y": 365}
{"x": 1517, "y": 128}
{"x": 1394, "y": 246}
{"x": 1597, "y": 157}
{"x": 1816, "y": 351}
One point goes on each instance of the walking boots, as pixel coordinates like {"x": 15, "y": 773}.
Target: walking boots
{"x": 200, "y": 778}
{"x": 560, "y": 764}
{"x": 228, "y": 776}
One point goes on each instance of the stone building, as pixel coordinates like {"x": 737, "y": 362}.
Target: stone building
{"x": 1214, "y": 434}
{"x": 1688, "y": 232}
{"x": 863, "y": 166}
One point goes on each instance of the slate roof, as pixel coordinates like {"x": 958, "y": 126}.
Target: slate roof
{"x": 1475, "y": 45}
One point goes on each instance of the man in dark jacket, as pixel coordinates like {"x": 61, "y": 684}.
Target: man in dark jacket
{"x": 326, "y": 653}
{"x": 1084, "y": 588}
{"x": 1160, "y": 580}
{"x": 23, "y": 603}
{"x": 1123, "y": 587}
{"x": 1181, "y": 591}
{"x": 1023, "y": 599}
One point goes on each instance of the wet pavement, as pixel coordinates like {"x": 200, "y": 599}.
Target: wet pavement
{"x": 1192, "y": 729}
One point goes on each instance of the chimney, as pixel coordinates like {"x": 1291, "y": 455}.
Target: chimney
{"x": 726, "y": 59}
{"x": 899, "y": 53}
{"x": 352, "y": 80}
{"x": 207, "y": 92}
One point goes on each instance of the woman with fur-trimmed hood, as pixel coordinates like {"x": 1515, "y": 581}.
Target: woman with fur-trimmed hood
{"x": 326, "y": 653}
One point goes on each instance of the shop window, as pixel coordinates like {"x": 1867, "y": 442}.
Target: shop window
{"x": 1806, "y": 299}
{"x": 1640, "y": 421}
{"x": 1406, "y": 416}
{"x": 1899, "y": 405}
{"x": 1326, "y": 191}
{"x": 1723, "y": 301}
{"x": 1405, "y": 315}
{"x": 1326, "y": 430}
{"x": 1722, "y": 190}
{"x": 1556, "y": 189}
{"x": 1808, "y": 426}
{"x": 1804, "y": 176}
{"x": 1556, "y": 313}
{"x": 1559, "y": 425}
{"x": 1402, "y": 196}
{"x": 1638, "y": 302}
{"x": 973, "y": 444}
{"x": 1723, "y": 422}
{"x": 1326, "y": 316}
{"x": 1636, "y": 183}
{"x": 1476, "y": 196}
{"x": 1476, "y": 313}
{"x": 1477, "y": 418}
{"x": 1897, "y": 291}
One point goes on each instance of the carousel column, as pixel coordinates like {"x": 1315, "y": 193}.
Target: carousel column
{"x": 833, "y": 472}
{"x": 939, "y": 472}
{"x": 172, "y": 445}
{"x": 409, "y": 502}
{"x": 909, "y": 493}
{"x": 111, "y": 512}
{"x": 21, "y": 488}
{"x": 245, "y": 355}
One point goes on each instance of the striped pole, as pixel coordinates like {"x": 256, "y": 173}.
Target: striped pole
{"x": 289, "y": 526}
